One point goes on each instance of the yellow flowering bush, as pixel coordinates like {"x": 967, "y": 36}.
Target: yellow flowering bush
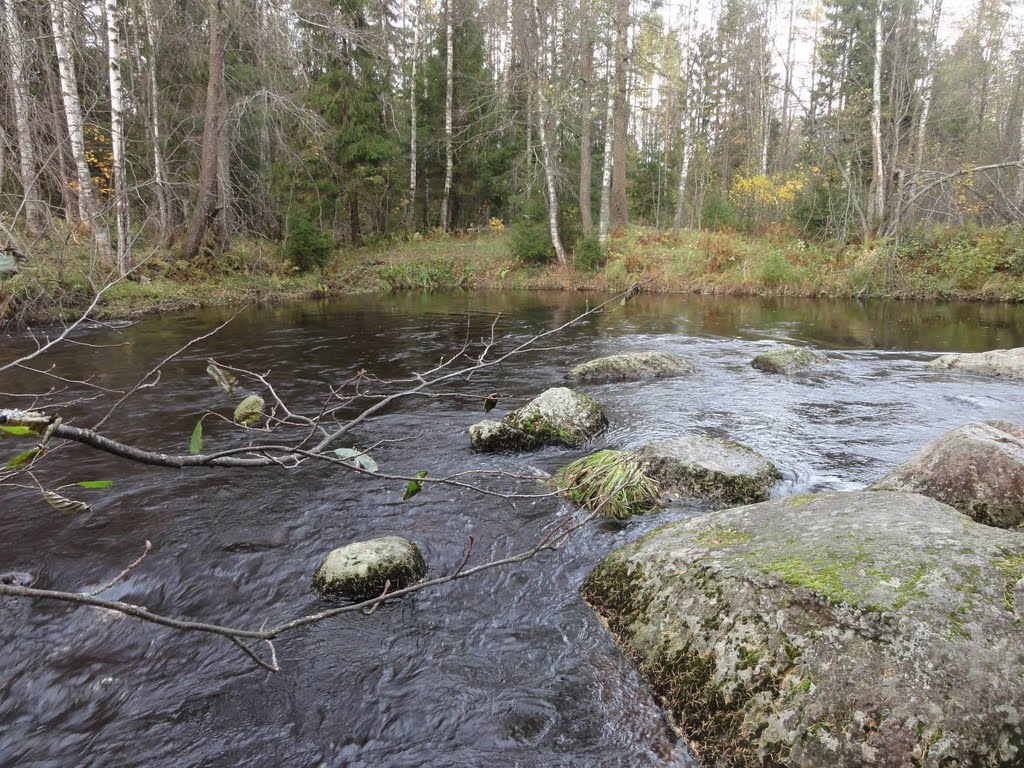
{"x": 764, "y": 199}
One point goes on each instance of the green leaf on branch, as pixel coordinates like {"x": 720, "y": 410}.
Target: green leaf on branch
{"x": 196, "y": 443}
{"x": 64, "y": 504}
{"x": 16, "y": 430}
{"x": 357, "y": 459}
{"x": 95, "y": 484}
{"x": 224, "y": 380}
{"x": 24, "y": 458}
{"x": 414, "y": 486}
{"x": 250, "y": 410}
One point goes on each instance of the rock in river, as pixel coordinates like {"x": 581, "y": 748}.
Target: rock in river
{"x": 1005, "y": 363}
{"x": 361, "y": 570}
{"x": 978, "y": 468}
{"x": 789, "y": 359}
{"x": 558, "y": 416}
{"x": 705, "y": 467}
{"x": 846, "y": 629}
{"x": 632, "y": 366}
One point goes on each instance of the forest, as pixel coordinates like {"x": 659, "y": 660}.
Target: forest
{"x": 139, "y": 134}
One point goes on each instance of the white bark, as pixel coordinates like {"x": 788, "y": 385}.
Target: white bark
{"x": 410, "y": 207}
{"x": 34, "y": 214}
{"x": 448, "y": 153}
{"x": 88, "y": 207}
{"x": 545, "y": 148}
{"x": 877, "y": 164}
{"x": 1020, "y": 168}
{"x": 787, "y": 125}
{"x": 121, "y": 207}
{"x": 159, "y": 172}
{"x": 684, "y": 170}
{"x": 606, "y": 170}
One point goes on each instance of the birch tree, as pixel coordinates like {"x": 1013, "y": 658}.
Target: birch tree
{"x": 586, "y": 84}
{"x": 620, "y": 145}
{"x": 121, "y": 207}
{"x": 877, "y": 207}
{"x": 34, "y": 212}
{"x": 410, "y": 208}
{"x": 88, "y": 207}
{"x": 547, "y": 154}
{"x": 449, "y": 87}
{"x": 160, "y": 185}
{"x": 606, "y": 172}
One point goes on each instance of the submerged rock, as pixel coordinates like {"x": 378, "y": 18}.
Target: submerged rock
{"x": 978, "y": 468}
{"x": 705, "y": 467}
{"x": 558, "y": 416}
{"x": 1005, "y": 363}
{"x": 632, "y": 366}
{"x": 360, "y": 571}
{"x": 789, "y": 359}
{"x": 846, "y": 629}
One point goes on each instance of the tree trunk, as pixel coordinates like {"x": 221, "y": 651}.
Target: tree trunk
{"x": 1020, "y": 168}
{"x": 787, "y": 126}
{"x": 545, "y": 148}
{"x": 620, "y": 209}
{"x": 606, "y": 171}
{"x": 34, "y": 212}
{"x": 159, "y": 172}
{"x": 450, "y": 82}
{"x": 410, "y": 207}
{"x": 121, "y": 207}
{"x": 213, "y": 127}
{"x": 684, "y": 168}
{"x": 877, "y": 212}
{"x": 587, "y": 78}
{"x": 88, "y": 207}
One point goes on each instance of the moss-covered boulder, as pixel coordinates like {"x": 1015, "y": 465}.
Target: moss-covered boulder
{"x": 613, "y": 483}
{"x": 361, "y": 570}
{"x": 1001, "y": 363}
{"x": 790, "y": 359}
{"x": 558, "y": 416}
{"x": 978, "y": 468}
{"x": 632, "y": 366}
{"x": 694, "y": 466}
{"x": 846, "y": 629}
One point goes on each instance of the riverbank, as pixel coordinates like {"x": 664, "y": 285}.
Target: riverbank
{"x": 961, "y": 264}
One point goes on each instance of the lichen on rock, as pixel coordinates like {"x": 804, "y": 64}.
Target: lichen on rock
{"x": 977, "y": 468}
{"x": 695, "y": 466}
{"x": 631, "y": 366}
{"x": 362, "y": 570}
{"x": 557, "y": 416}
{"x": 852, "y": 629}
{"x": 1000, "y": 363}
{"x": 789, "y": 359}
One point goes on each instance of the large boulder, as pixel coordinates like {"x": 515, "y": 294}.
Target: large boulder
{"x": 361, "y": 570}
{"x": 1005, "y": 363}
{"x": 694, "y": 466}
{"x": 978, "y": 468}
{"x": 789, "y": 359}
{"x": 633, "y": 366}
{"x": 846, "y": 629}
{"x": 558, "y": 416}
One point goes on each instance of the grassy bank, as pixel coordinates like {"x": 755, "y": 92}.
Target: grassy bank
{"x": 986, "y": 265}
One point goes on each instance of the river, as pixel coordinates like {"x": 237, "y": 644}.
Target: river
{"x": 509, "y": 668}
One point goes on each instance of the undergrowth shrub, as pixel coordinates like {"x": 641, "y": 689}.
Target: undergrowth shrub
{"x": 589, "y": 255}
{"x": 306, "y": 245}
{"x": 530, "y": 242}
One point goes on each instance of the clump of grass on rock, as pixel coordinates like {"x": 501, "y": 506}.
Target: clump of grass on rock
{"x": 613, "y": 482}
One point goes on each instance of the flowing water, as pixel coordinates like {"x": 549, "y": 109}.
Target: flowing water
{"x": 509, "y": 668}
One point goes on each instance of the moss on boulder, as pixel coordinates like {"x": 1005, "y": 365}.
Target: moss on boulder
{"x": 1002, "y": 363}
{"x": 977, "y": 468}
{"x": 632, "y": 366}
{"x": 694, "y": 466}
{"x": 361, "y": 570}
{"x": 851, "y": 629}
{"x": 789, "y": 359}
{"x": 558, "y": 416}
